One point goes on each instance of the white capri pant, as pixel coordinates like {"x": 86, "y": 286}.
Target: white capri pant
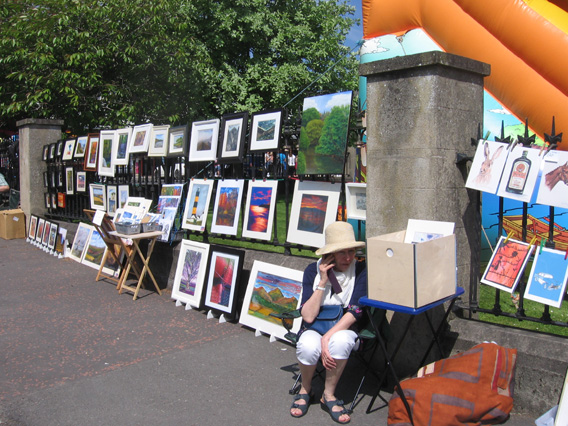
{"x": 341, "y": 343}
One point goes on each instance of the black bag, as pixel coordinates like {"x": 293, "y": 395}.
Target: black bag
{"x": 328, "y": 316}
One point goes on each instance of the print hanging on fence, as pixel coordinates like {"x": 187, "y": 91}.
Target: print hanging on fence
{"x": 507, "y": 264}
{"x": 271, "y": 289}
{"x": 547, "y": 281}
{"x": 68, "y": 149}
{"x": 225, "y": 268}
{"x": 259, "y": 212}
{"x": 69, "y": 180}
{"x": 553, "y": 190}
{"x": 519, "y": 175}
{"x": 227, "y": 208}
{"x": 203, "y": 142}
{"x": 106, "y": 167}
{"x": 265, "y": 131}
{"x": 159, "y": 141}
{"x": 98, "y": 196}
{"x": 120, "y": 153}
{"x": 324, "y": 132}
{"x": 177, "y": 141}
{"x": 91, "y": 152}
{"x": 140, "y": 138}
{"x": 356, "y": 200}
{"x": 80, "y": 147}
{"x": 232, "y": 140}
{"x": 197, "y": 205}
{"x": 314, "y": 206}
{"x": 487, "y": 166}
{"x": 190, "y": 272}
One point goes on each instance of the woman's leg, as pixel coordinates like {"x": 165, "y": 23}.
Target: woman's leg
{"x": 308, "y": 351}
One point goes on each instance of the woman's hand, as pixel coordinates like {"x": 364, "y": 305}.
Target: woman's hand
{"x": 327, "y": 262}
{"x": 326, "y": 358}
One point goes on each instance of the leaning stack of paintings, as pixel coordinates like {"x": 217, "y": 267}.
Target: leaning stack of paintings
{"x": 46, "y": 235}
{"x": 168, "y": 204}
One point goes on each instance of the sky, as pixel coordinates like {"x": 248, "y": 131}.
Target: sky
{"x": 356, "y": 32}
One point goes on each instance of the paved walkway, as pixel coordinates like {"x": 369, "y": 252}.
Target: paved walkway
{"x": 75, "y": 352}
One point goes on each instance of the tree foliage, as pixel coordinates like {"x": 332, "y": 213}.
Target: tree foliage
{"x": 97, "y": 63}
{"x": 334, "y": 132}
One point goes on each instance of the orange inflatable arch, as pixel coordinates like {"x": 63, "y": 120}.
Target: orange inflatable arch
{"x": 525, "y": 42}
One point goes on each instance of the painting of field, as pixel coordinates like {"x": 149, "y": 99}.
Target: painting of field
{"x": 273, "y": 293}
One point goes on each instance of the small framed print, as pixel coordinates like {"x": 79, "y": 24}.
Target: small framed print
{"x": 356, "y": 200}
{"x": 259, "y": 211}
{"x": 227, "y": 207}
{"x": 140, "y": 138}
{"x": 112, "y": 199}
{"x": 52, "y": 151}
{"x": 80, "y": 147}
{"x": 91, "y": 153}
{"x": 61, "y": 200}
{"x": 203, "y": 142}
{"x": 68, "y": 149}
{"x": 232, "y": 140}
{"x": 45, "y": 179}
{"x": 265, "y": 131}
{"x": 80, "y": 241}
{"x": 120, "y": 154}
{"x": 105, "y": 166}
{"x": 54, "y": 200}
{"x": 32, "y": 227}
{"x": 123, "y": 193}
{"x": 81, "y": 181}
{"x": 69, "y": 180}
{"x": 52, "y": 237}
{"x": 40, "y": 227}
{"x": 159, "y": 141}
{"x": 47, "y": 200}
{"x": 60, "y": 178}
{"x": 59, "y": 148}
{"x": 45, "y": 155}
{"x": 53, "y": 179}
{"x": 190, "y": 272}
{"x": 45, "y": 235}
{"x": 97, "y": 196}
{"x": 177, "y": 141}
{"x": 197, "y": 205}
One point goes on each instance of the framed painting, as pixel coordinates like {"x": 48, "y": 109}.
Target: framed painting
{"x": 112, "y": 199}
{"x": 81, "y": 185}
{"x": 356, "y": 200}
{"x": 232, "y": 141}
{"x": 69, "y": 180}
{"x": 197, "y": 205}
{"x": 323, "y": 134}
{"x": 271, "y": 288}
{"x": 487, "y": 166}
{"x": 80, "y": 241}
{"x": 520, "y": 174}
{"x": 548, "y": 277}
{"x": 97, "y": 196}
{"x": 45, "y": 155}
{"x": 314, "y": 206}
{"x": 140, "y": 138}
{"x": 507, "y": 264}
{"x": 107, "y": 140}
{"x": 227, "y": 208}
{"x": 159, "y": 141}
{"x": 203, "y": 142}
{"x": 53, "y": 200}
{"x": 92, "y": 152}
{"x": 221, "y": 292}
{"x": 177, "y": 141}
{"x": 190, "y": 272}
{"x": 45, "y": 236}
{"x": 52, "y": 238}
{"x": 32, "y": 227}
{"x": 553, "y": 189}
{"x": 68, "y": 149}
{"x": 60, "y": 242}
{"x": 53, "y": 179}
{"x": 52, "y": 151}
{"x": 59, "y": 148}
{"x": 419, "y": 231}
{"x": 45, "y": 179}
{"x": 60, "y": 178}
{"x": 120, "y": 154}
{"x": 61, "y": 200}
{"x": 259, "y": 211}
{"x": 47, "y": 200}
{"x": 123, "y": 193}
{"x": 265, "y": 130}
{"x": 94, "y": 250}
{"x": 40, "y": 227}
{"x": 81, "y": 147}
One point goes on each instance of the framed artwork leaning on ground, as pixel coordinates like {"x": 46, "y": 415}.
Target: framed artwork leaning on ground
{"x": 190, "y": 273}
{"x": 80, "y": 241}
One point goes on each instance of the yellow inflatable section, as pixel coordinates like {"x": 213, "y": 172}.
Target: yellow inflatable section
{"x": 525, "y": 42}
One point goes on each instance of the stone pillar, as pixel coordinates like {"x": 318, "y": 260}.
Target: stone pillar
{"x": 422, "y": 111}
{"x": 34, "y": 134}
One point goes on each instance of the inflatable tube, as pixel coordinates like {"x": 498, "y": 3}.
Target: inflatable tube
{"x": 525, "y": 83}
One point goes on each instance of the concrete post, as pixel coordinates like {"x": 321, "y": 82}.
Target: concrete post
{"x": 34, "y": 134}
{"x": 422, "y": 112}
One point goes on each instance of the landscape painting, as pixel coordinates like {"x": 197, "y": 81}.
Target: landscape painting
{"x": 312, "y": 213}
{"x": 265, "y": 131}
{"x": 227, "y": 207}
{"x": 95, "y": 250}
{"x": 259, "y": 213}
{"x": 271, "y": 289}
{"x": 324, "y": 132}
{"x": 190, "y": 272}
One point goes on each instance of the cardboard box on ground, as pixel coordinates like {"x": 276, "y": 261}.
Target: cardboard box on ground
{"x": 12, "y": 224}
{"x": 411, "y": 274}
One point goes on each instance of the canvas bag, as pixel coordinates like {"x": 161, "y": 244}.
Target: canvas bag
{"x": 328, "y": 316}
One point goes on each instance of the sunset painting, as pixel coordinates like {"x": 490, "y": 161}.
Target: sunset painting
{"x": 227, "y": 207}
{"x": 259, "y": 209}
{"x": 312, "y": 213}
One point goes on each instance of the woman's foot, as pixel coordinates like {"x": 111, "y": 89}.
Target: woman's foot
{"x": 336, "y": 410}
{"x": 301, "y": 403}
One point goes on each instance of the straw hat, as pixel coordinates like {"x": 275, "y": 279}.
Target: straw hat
{"x": 339, "y": 236}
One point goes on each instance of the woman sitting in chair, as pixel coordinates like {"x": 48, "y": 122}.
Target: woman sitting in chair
{"x": 347, "y": 284}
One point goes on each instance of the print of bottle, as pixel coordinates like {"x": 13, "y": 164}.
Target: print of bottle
{"x": 519, "y": 174}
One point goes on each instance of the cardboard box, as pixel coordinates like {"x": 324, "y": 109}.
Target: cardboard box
{"x": 12, "y": 224}
{"x": 411, "y": 275}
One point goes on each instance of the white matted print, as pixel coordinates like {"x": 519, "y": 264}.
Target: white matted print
{"x": 232, "y": 140}
{"x": 80, "y": 147}
{"x": 190, "y": 272}
{"x": 419, "y": 231}
{"x": 553, "y": 190}
{"x": 259, "y": 211}
{"x": 140, "y": 138}
{"x": 69, "y": 178}
{"x": 177, "y": 141}
{"x": 203, "y": 142}
{"x": 227, "y": 209}
{"x": 159, "y": 141}
{"x": 520, "y": 173}
{"x": 81, "y": 181}
{"x": 547, "y": 280}
{"x": 197, "y": 205}
{"x": 314, "y": 206}
{"x": 271, "y": 288}
{"x": 106, "y": 167}
{"x": 120, "y": 154}
{"x": 356, "y": 200}
{"x": 487, "y": 166}
{"x": 68, "y": 149}
{"x": 265, "y": 131}
{"x": 95, "y": 250}
{"x": 98, "y": 196}
{"x": 80, "y": 241}
{"x": 112, "y": 200}
{"x": 123, "y": 193}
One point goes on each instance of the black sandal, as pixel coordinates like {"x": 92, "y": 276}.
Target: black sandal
{"x": 335, "y": 415}
{"x": 307, "y": 397}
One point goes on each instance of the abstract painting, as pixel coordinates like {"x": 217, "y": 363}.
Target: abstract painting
{"x": 271, "y": 288}
{"x": 190, "y": 272}
{"x": 259, "y": 212}
{"x": 197, "y": 205}
{"x": 547, "y": 280}
{"x": 227, "y": 207}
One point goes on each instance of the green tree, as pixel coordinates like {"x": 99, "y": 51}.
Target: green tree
{"x": 313, "y": 130}
{"x": 304, "y": 140}
{"x": 334, "y": 132}
{"x": 309, "y": 115}
{"x": 110, "y": 63}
